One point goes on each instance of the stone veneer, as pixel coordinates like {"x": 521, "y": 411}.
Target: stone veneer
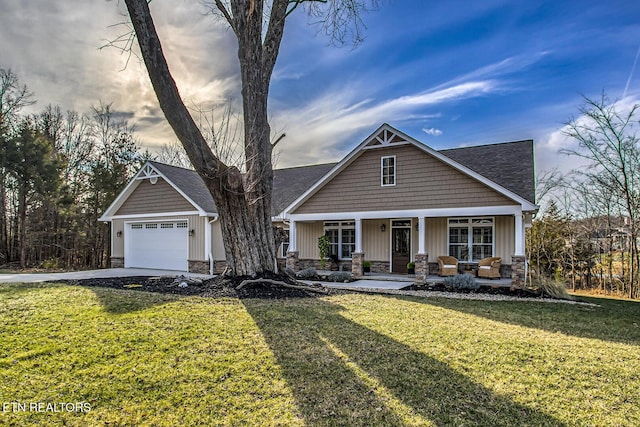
{"x": 517, "y": 271}
{"x": 293, "y": 261}
{"x": 117, "y": 262}
{"x": 201, "y": 267}
{"x": 357, "y": 258}
{"x": 422, "y": 268}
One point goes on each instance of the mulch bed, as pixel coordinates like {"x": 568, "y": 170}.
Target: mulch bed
{"x": 218, "y": 287}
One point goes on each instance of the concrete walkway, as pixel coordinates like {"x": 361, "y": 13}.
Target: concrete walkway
{"x": 369, "y": 284}
{"x": 93, "y": 274}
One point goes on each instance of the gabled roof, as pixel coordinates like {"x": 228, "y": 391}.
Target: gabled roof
{"x": 506, "y": 167}
{"x": 190, "y": 183}
{"x": 509, "y": 164}
{"x": 291, "y": 183}
{"x": 388, "y": 136}
{"x": 288, "y": 185}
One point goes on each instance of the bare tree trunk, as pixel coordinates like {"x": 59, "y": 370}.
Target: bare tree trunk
{"x": 243, "y": 201}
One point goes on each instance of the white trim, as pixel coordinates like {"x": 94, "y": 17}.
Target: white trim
{"x": 525, "y": 205}
{"x": 145, "y": 172}
{"x": 410, "y": 213}
{"x": 469, "y": 226}
{"x": 391, "y": 227}
{"x": 159, "y": 215}
{"x": 519, "y": 236}
{"x": 382, "y": 184}
{"x": 422, "y": 240}
{"x": 293, "y": 236}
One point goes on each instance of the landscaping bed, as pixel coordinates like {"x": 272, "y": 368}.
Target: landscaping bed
{"x": 218, "y": 287}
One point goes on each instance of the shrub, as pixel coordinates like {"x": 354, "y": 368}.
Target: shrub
{"x": 461, "y": 282}
{"x": 552, "y": 288}
{"x": 307, "y": 273}
{"x": 340, "y": 276}
{"x": 411, "y": 266}
{"x": 366, "y": 264}
{"x": 323, "y": 249}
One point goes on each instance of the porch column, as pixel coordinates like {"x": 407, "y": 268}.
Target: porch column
{"x": 421, "y": 258}
{"x": 519, "y": 235}
{"x": 357, "y": 258}
{"x": 293, "y": 259}
{"x": 421, "y": 236}
{"x": 293, "y": 246}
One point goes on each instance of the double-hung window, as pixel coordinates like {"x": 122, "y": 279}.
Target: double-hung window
{"x": 471, "y": 239}
{"x": 342, "y": 238}
{"x": 388, "y": 171}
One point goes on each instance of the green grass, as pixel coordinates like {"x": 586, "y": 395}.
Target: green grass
{"x": 149, "y": 359}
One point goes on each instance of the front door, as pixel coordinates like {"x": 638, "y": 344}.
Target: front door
{"x": 400, "y": 249}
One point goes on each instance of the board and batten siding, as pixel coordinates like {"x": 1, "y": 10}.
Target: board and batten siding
{"x": 154, "y": 198}
{"x": 196, "y": 242}
{"x": 422, "y": 182}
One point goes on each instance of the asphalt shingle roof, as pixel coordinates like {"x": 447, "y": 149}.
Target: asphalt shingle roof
{"x": 509, "y": 165}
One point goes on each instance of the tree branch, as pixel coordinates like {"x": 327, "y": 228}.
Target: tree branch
{"x": 199, "y": 152}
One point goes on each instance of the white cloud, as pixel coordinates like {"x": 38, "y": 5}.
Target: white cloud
{"x": 338, "y": 116}
{"x": 432, "y": 131}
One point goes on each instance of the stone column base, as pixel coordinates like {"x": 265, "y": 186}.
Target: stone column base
{"x": 117, "y": 262}
{"x": 293, "y": 261}
{"x": 422, "y": 268}
{"x": 357, "y": 260}
{"x": 518, "y": 271}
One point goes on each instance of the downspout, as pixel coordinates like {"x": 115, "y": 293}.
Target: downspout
{"x": 209, "y": 244}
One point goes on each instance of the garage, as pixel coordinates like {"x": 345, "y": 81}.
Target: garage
{"x": 162, "y": 245}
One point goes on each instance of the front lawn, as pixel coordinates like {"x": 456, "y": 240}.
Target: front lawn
{"x": 138, "y": 358}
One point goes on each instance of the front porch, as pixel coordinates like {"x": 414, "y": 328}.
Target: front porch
{"x": 386, "y": 245}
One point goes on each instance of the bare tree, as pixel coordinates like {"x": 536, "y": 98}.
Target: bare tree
{"x": 242, "y": 195}
{"x": 607, "y": 137}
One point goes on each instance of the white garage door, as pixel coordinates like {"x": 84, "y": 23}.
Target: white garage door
{"x": 162, "y": 245}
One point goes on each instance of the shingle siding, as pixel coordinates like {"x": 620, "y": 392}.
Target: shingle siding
{"x": 154, "y": 198}
{"x": 422, "y": 182}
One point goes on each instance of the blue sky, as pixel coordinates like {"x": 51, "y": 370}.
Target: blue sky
{"x": 449, "y": 73}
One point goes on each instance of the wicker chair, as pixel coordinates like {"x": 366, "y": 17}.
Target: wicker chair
{"x": 448, "y": 265}
{"x": 489, "y": 268}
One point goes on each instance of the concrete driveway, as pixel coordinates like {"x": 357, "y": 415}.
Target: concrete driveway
{"x": 91, "y": 274}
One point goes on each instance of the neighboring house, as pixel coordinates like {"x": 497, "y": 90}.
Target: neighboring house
{"x": 391, "y": 200}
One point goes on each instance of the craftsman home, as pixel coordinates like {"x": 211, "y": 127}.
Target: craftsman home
{"x": 390, "y": 201}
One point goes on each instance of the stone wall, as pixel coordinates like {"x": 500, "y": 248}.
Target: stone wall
{"x": 357, "y": 258}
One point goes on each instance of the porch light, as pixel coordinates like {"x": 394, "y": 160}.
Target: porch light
{"x": 383, "y": 227}
{"x": 119, "y": 233}
{"x": 192, "y": 232}
{"x": 417, "y": 226}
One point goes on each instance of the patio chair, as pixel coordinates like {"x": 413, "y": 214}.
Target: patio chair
{"x": 489, "y": 267}
{"x": 448, "y": 265}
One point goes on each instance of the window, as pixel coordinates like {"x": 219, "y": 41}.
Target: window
{"x": 136, "y": 226}
{"x": 284, "y": 246}
{"x": 471, "y": 239}
{"x": 342, "y": 238}
{"x": 388, "y": 171}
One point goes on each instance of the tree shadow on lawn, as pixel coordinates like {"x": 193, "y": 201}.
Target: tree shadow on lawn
{"x": 342, "y": 373}
{"x": 114, "y": 301}
{"x": 117, "y": 301}
{"x": 611, "y": 320}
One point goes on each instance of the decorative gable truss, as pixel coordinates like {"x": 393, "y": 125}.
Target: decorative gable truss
{"x": 385, "y": 138}
{"x": 148, "y": 172}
